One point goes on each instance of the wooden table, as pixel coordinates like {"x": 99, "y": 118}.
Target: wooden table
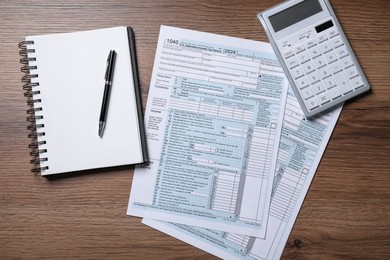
{"x": 346, "y": 213}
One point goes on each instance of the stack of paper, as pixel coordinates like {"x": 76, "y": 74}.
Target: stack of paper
{"x": 231, "y": 154}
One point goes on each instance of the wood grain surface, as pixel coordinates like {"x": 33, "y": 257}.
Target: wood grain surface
{"x": 346, "y": 213}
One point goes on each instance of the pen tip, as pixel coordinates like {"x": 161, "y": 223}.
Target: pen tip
{"x": 101, "y": 129}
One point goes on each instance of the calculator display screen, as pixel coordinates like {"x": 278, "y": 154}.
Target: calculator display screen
{"x": 294, "y": 14}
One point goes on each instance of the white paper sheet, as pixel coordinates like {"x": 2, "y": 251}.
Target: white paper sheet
{"x": 302, "y": 145}
{"x": 213, "y": 123}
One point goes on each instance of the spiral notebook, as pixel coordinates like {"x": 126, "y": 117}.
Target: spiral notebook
{"x": 64, "y": 83}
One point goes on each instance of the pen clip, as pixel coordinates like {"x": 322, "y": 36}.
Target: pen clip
{"x": 107, "y": 65}
{"x": 110, "y": 65}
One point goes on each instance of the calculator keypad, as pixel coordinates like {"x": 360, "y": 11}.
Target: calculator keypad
{"x": 322, "y": 69}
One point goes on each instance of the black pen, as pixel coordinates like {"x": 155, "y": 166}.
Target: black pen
{"x": 107, "y": 87}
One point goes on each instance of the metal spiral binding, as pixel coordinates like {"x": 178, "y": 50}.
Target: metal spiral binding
{"x": 30, "y": 93}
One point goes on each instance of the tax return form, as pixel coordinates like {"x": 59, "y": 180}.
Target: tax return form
{"x": 213, "y": 124}
{"x": 301, "y": 147}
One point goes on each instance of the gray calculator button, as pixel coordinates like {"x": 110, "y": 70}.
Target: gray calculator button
{"x": 313, "y": 77}
{"x": 297, "y": 73}
{"x": 334, "y": 93}
{"x": 323, "y": 98}
{"x": 351, "y": 72}
{"x": 332, "y": 33}
{"x": 311, "y": 43}
{"x": 302, "y": 83}
{"x": 306, "y": 93}
{"x": 341, "y": 52}
{"x": 324, "y": 72}
{"x": 330, "y": 57}
{"x": 337, "y": 42}
{"x": 288, "y": 53}
{"x": 321, "y": 38}
{"x": 292, "y": 62}
{"x": 303, "y": 57}
{"x": 357, "y": 82}
{"x": 311, "y": 103}
{"x": 335, "y": 67}
{"x": 329, "y": 82}
{"x": 343, "y": 83}
{"x": 308, "y": 67}
{"x": 299, "y": 48}
{"x": 314, "y": 52}
{"x": 346, "y": 62}
{"x": 319, "y": 62}
{"x": 325, "y": 47}
{"x": 318, "y": 88}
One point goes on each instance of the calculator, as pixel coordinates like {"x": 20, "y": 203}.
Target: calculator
{"x": 314, "y": 53}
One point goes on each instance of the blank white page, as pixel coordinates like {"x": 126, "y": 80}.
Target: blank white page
{"x": 71, "y": 69}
